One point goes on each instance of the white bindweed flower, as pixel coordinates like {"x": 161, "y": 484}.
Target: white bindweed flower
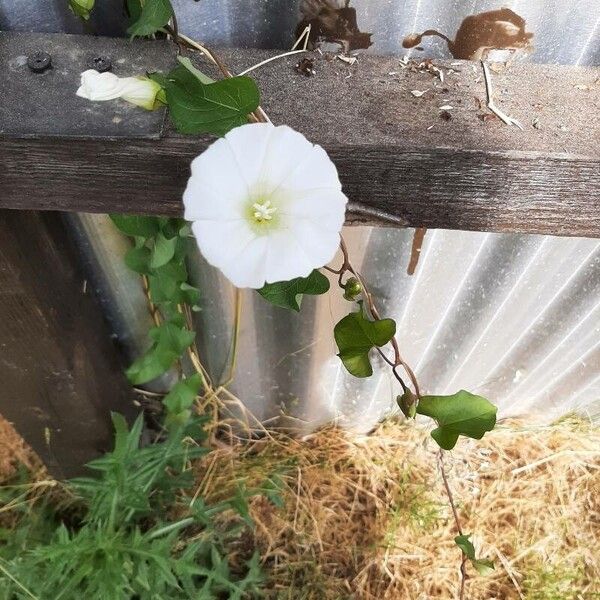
{"x": 140, "y": 91}
{"x": 266, "y": 205}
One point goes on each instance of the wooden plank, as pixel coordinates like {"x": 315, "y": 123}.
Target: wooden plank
{"x": 59, "y": 370}
{"x": 400, "y": 162}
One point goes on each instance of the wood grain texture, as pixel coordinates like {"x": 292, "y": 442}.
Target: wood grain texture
{"x": 59, "y": 370}
{"x": 399, "y": 161}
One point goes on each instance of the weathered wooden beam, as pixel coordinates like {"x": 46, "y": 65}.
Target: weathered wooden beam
{"x": 400, "y": 160}
{"x": 59, "y": 370}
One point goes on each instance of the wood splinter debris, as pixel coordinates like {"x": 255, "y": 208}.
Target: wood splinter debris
{"x": 347, "y": 59}
{"x": 490, "y": 100}
{"x": 415, "y": 251}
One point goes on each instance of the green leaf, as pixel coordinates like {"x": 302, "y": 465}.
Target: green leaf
{"x": 462, "y": 413}
{"x": 134, "y": 9}
{"x": 152, "y": 364}
{"x": 356, "y": 336}
{"x": 187, "y": 63}
{"x": 209, "y": 108}
{"x": 182, "y": 395}
{"x": 170, "y": 341}
{"x": 138, "y": 259}
{"x": 483, "y": 566}
{"x": 190, "y": 293}
{"x": 82, "y": 8}
{"x": 163, "y": 250}
{"x": 288, "y": 294}
{"x": 136, "y": 226}
{"x": 165, "y": 283}
{"x": 173, "y": 335}
{"x": 239, "y": 503}
{"x": 154, "y": 15}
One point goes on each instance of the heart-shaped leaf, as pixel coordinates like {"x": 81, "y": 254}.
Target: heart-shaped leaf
{"x": 163, "y": 250}
{"x": 216, "y": 108}
{"x": 462, "y": 413}
{"x": 288, "y": 294}
{"x": 356, "y": 336}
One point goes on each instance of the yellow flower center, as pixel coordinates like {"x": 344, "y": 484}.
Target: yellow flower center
{"x": 263, "y": 211}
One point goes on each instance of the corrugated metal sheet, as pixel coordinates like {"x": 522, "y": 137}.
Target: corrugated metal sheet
{"x": 513, "y": 317}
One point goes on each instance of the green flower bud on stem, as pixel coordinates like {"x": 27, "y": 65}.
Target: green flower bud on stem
{"x": 352, "y": 288}
{"x": 408, "y": 403}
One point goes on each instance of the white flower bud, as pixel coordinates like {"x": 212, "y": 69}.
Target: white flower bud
{"x": 140, "y": 91}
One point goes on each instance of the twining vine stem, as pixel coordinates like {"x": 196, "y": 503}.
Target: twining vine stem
{"x": 398, "y": 361}
{"x": 463, "y": 564}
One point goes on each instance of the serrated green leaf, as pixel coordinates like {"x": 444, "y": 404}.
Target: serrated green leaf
{"x": 462, "y": 413}
{"x": 138, "y": 259}
{"x": 135, "y": 225}
{"x": 209, "y": 108}
{"x": 162, "y": 251}
{"x": 288, "y": 294}
{"x": 483, "y": 566}
{"x": 154, "y": 15}
{"x": 356, "y": 336}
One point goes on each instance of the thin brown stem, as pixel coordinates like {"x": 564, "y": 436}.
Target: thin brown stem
{"x": 463, "y": 564}
{"x": 176, "y": 32}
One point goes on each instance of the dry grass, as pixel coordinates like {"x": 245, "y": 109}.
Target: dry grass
{"x": 14, "y": 452}
{"x": 365, "y": 517}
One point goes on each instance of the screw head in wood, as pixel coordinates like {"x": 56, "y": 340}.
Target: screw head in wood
{"x": 100, "y": 64}
{"x": 39, "y": 61}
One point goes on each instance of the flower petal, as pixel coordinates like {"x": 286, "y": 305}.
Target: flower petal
{"x": 319, "y": 244}
{"x": 248, "y": 144}
{"x": 327, "y": 207}
{"x": 216, "y": 174}
{"x": 286, "y": 150}
{"x": 140, "y": 91}
{"x": 247, "y": 269}
{"x": 99, "y": 86}
{"x": 286, "y": 259}
{"x": 203, "y": 202}
{"x": 317, "y": 171}
{"x": 222, "y": 241}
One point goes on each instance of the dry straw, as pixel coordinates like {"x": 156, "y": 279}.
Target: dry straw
{"x": 366, "y": 516}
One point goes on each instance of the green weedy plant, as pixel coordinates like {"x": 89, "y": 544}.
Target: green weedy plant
{"x": 123, "y": 545}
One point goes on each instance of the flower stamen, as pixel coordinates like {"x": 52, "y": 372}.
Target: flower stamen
{"x": 263, "y": 211}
